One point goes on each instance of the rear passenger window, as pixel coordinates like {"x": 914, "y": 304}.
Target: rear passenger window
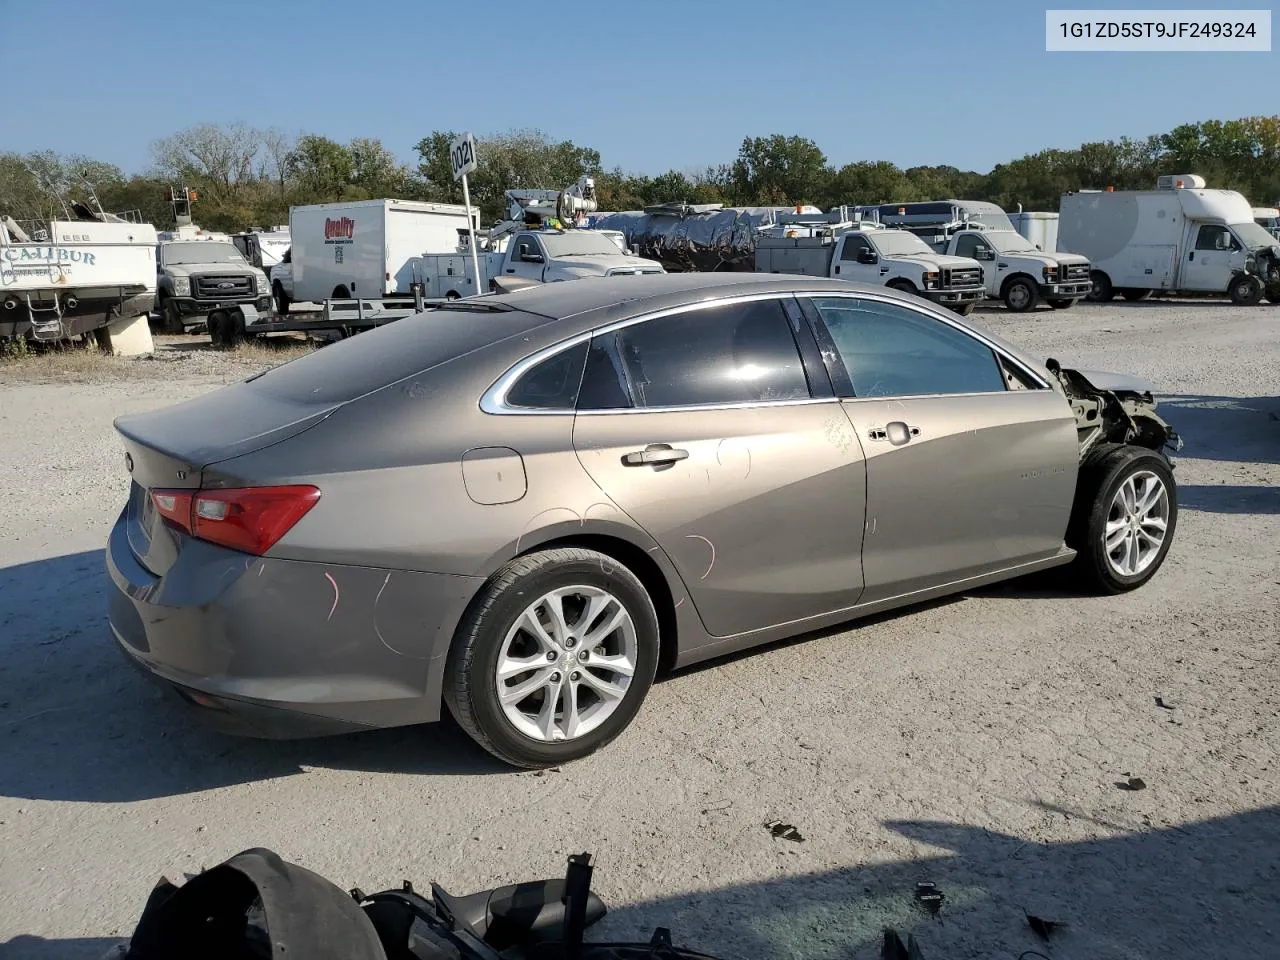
{"x": 604, "y": 385}
{"x": 551, "y": 384}
{"x": 733, "y": 353}
{"x": 894, "y": 351}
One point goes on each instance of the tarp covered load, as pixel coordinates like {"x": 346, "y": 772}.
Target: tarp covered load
{"x": 686, "y": 237}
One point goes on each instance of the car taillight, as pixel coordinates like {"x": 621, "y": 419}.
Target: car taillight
{"x": 249, "y": 519}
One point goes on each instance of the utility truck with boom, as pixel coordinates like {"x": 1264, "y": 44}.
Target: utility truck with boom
{"x": 821, "y": 246}
{"x": 539, "y": 242}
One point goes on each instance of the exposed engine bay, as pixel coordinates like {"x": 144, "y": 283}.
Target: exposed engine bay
{"x": 1111, "y": 408}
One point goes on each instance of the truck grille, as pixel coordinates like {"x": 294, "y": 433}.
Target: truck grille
{"x": 962, "y": 277}
{"x": 1075, "y": 271}
{"x": 222, "y": 287}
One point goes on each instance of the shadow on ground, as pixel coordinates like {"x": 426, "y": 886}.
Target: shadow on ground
{"x": 1232, "y": 429}
{"x": 1209, "y": 889}
{"x": 78, "y": 723}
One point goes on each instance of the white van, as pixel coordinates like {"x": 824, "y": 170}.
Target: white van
{"x": 366, "y": 249}
{"x": 1268, "y": 218}
{"x": 1178, "y": 238}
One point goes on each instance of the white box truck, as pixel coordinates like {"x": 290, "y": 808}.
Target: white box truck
{"x": 365, "y": 249}
{"x": 1038, "y": 226}
{"x": 1177, "y": 238}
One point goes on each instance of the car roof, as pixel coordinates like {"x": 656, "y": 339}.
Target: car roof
{"x": 630, "y": 295}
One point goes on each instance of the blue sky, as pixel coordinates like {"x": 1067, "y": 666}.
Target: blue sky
{"x": 652, "y": 85}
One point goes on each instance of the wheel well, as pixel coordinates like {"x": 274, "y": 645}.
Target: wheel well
{"x": 649, "y": 573}
{"x": 340, "y": 292}
{"x": 1004, "y": 287}
{"x": 903, "y": 284}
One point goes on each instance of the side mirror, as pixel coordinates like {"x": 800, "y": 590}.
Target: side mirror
{"x": 533, "y": 258}
{"x": 984, "y": 253}
{"x": 868, "y": 256}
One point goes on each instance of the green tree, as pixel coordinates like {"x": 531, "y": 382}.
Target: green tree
{"x": 778, "y": 170}
{"x": 319, "y": 169}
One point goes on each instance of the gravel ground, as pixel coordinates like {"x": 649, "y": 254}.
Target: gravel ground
{"x": 976, "y": 743}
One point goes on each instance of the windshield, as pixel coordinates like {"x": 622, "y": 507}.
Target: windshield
{"x": 1253, "y": 236}
{"x": 580, "y": 243}
{"x": 202, "y": 251}
{"x": 899, "y": 244}
{"x": 1007, "y": 241}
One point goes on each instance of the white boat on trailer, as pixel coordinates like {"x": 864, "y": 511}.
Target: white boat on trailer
{"x": 63, "y": 278}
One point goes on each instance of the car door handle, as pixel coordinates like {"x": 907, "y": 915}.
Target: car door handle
{"x": 655, "y": 454}
{"x": 896, "y": 433}
{"x": 1191, "y": 255}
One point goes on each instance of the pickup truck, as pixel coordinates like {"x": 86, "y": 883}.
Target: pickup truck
{"x": 194, "y": 278}
{"x": 893, "y": 258}
{"x": 1015, "y": 271}
{"x": 542, "y": 256}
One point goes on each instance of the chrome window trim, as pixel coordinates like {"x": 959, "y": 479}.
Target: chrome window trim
{"x": 493, "y": 400}
{"x": 935, "y": 313}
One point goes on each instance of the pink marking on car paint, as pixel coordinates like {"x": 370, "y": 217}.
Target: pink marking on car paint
{"x": 336, "y": 594}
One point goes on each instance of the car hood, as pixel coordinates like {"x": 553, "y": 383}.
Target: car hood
{"x": 1116, "y": 382}
{"x": 603, "y": 263}
{"x": 932, "y": 260}
{"x": 191, "y": 269}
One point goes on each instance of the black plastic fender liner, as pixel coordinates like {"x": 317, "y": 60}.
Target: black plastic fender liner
{"x": 254, "y": 905}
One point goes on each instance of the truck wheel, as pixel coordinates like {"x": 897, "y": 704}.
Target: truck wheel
{"x": 964, "y": 309}
{"x": 217, "y": 323}
{"x": 906, "y": 286}
{"x": 1245, "y": 291}
{"x": 1102, "y": 291}
{"x": 1060, "y": 304}
{"x": 1133, "y": 295}
{"x": 1020, "y": 295}
{"x": 1123, "y": 519}
{"x": 173, "y": 319}
{"x": 453, "y": 295}
{"x": 282, "y": 299}
{"x": 341, "y": 293}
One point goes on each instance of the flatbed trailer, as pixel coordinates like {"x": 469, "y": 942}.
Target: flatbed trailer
{"x": 340, "y": 318}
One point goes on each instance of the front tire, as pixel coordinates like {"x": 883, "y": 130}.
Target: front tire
{"x": 173, "y": 324}
{"x": 964, "y": 309}
{"x": 1245, "y": 291}
{"x": 1101, "y": 291}
{"x": 1124, "y": 518}
{"x": 1021, "y": 295}
{"x": 282, "y": 299}
{"x": 553, "y": 658}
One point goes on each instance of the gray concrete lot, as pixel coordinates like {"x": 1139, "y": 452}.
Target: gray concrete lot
{"x": 976, "y": 743}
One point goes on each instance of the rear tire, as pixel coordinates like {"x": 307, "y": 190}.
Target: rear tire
{"x": 1021, "y": 295}
{"x": 1123, "y": 496}
{"x": 1059, "y": 304}
{"x": 1102, "y": 291}
{"x": 1245, "y": 291}
{"x": 282, "y": 299}
{"x": 490, "y": 632}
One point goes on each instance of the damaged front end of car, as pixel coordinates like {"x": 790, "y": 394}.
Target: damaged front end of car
{"x": 1113, "y": 408}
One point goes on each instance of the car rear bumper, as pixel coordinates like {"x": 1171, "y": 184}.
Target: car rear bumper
{"x": 281, "y": 648}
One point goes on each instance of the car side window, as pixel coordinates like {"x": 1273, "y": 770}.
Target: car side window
{"x": 969, "y": 246}
{"x": 731, "y": 353}
{"x": 604, "y": 384}
{"x": 526, "y": 247}
{"x": 852, "y": 247}
{"x": 1215, "y": 237}
{"x": 551, "y": 384}
{"x": 894, "y": 351}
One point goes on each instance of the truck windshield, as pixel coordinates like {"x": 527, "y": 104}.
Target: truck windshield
{"x": 580, "y": 243}
{"x": 898, "y": 244}
{"x": 1009, "y": 241}
{"x": 1253, "y": 236}
{"x": 202, "y": 251}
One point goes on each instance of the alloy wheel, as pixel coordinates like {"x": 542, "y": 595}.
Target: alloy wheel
{"x": 1137, "y": 523}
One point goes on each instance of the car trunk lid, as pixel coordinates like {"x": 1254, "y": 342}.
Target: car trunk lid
{"x": 168, "y": 450}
